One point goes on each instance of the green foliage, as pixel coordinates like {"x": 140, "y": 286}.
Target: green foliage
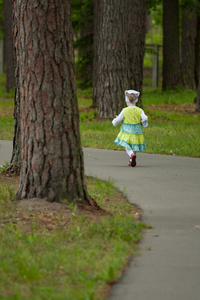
{"x": 190, "y": 5}
{"x": 152, "y": 5}
{"x": 4, "y": 166}
{"x": 82, "y": 19}
{"x": 80, "y": 8}
{"x": 88, "y": 116}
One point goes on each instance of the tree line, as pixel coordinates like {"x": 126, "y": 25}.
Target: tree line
{"x": 47, "y": 147}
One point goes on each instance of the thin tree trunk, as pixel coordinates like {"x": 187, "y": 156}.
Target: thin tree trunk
{"x": 136, "y": 43}
{"x": 197, "y": 47}
{"x": 110, "y": 69}
{"x": 198, "y": 55}
{"x": 9, "y": 45}
{"x": 171, "y": 52}
{"x": 198, "y": 95}
{"x": 189, "y": 30}
{"x": 51, "y": 154}
{"x": 15, "y": 162}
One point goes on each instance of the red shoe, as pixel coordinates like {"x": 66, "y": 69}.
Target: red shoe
{"x": 132, "y": 161}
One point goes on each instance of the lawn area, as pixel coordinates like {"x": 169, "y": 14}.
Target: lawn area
{"x": 57, "y": 251}
{"x": 173, "y": 129}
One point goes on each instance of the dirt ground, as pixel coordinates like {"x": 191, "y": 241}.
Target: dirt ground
{"x": 51, "y": 215}
{"x": 179, "y": 108}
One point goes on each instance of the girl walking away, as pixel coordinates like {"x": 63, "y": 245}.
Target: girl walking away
{"x": 131, "y": 134}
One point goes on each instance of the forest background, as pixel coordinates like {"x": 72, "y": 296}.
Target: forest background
{"x": 171, "y": 110}
{"x": 55, "y": 250}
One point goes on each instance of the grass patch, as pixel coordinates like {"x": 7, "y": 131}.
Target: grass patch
{"x": 6, "y": 128}
{"x": 84, "y": 97}
{"x": 169, "y": 132}
{"x": 173, "y": 134}
{"x": 64, "y": 253}
{"x": 154, "y": 96}
{"x": 6, "y": 107}
{"x": 3, "y": 93}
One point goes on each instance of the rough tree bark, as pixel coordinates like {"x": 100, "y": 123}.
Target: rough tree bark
{"x": 9, "y": 45}
{"x": 171, "y": 52}
{"x": 189, "y": 30}
{"x": 110, "y": 68}
{"x": 136, "y": 43}
{"x": 51, "y": 154}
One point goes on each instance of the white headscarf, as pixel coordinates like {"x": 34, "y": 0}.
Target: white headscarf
{"x": 131, "y": 92}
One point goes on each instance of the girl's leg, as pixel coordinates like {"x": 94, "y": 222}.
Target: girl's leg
{"x": 132, "y": 155}
{"x": 129, "y": 152}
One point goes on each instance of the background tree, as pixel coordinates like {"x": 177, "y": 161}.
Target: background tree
{"x": 189, "y": 32}
{"x": 110, "y": 69}
{"x": 1, "y": 19}
{"x": 9, "y": 46}
{"x": 171, "y": 51}
{"x": 136, "y": 43}
{"x": 52, "y": 159}
{"x": 197, "y": 42}
{"x": 198, "y": 53}
{"x": 15, "y": 162}
{"x": 198, "y": 95}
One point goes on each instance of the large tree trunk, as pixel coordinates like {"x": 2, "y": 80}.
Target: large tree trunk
{"x": 136, "y": 43}
{"x": 51, "y": 154}
{"x": 171, "y": 53}
{"x": 110, "y": 69}
{"x": 189, "y": 30}
{"x": 9, "y": 46}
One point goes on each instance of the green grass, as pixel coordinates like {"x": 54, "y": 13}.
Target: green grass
{"x": 152, "y": 96}
{"x": 173, "y": 133}
{"x": 40, "y": 258}
{"x": 84, "y": 97}
{"x": 3, "y": 93}
{"x": 168, "y": 132}
{"x": 6, "y": 128}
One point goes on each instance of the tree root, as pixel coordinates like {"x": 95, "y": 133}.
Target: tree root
{"x": 93, "y": 206}
{"x": 11, "y": 171}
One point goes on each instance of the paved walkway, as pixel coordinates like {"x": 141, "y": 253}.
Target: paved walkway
{"x": 167, "y": 188}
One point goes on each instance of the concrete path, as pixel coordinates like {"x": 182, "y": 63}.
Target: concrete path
{"x": 167, "y": 188}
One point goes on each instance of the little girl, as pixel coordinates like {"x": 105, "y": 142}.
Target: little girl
{"x": 131, "y": 134}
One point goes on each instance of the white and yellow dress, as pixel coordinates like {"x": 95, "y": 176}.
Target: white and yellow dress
{"x": 131, "y": 135}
